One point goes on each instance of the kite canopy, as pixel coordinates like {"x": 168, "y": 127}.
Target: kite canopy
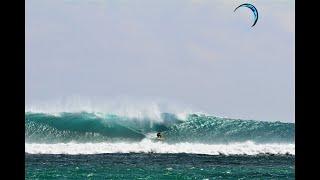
{"x": 253, "y": 9}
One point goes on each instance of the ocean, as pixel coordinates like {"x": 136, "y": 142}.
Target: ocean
{"x": 95, "y": 145}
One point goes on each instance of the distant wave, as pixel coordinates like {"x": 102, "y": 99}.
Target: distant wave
{"x": 85, "y": 127}
{"x": 148, "y": 146}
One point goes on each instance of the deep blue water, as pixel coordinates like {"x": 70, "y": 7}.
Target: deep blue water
{"x": 158, "y": 166}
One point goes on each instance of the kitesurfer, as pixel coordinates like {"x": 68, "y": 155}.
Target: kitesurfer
{"x": 159, "y": 136}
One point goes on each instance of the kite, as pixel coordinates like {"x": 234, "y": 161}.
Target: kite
{"x": 253, "y": 9}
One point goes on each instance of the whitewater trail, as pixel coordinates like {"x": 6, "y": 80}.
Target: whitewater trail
{"x": 147, "y": 146}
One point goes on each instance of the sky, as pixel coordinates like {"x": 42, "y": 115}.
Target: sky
{"x": 195, "y": 53}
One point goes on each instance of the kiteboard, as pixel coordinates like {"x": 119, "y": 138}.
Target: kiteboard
{"x": 159, "y": 139}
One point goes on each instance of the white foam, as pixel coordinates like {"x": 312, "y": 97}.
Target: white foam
{"x": 148, "y": 146}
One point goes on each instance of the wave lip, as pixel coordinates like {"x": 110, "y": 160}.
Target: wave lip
{"x": 148, "y": 146}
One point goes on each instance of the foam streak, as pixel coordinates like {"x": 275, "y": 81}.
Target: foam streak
{"x": 148, "y": 146}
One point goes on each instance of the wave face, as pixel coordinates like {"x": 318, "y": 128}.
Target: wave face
{"x": 84, "y": 127}
{"x": 208, "y": 129}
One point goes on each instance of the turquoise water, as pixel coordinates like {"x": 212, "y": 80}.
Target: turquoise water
{"x": 90, "y": 127}
{"x": 158, "y": 166}
{"x": 83, "y": 145}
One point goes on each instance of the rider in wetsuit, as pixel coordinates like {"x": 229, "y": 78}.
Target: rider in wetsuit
{"x": 159, "y": 136}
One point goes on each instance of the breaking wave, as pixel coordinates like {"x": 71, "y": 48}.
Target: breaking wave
{"x": 92, "y": 127}
{"x": 94, "y": 133}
